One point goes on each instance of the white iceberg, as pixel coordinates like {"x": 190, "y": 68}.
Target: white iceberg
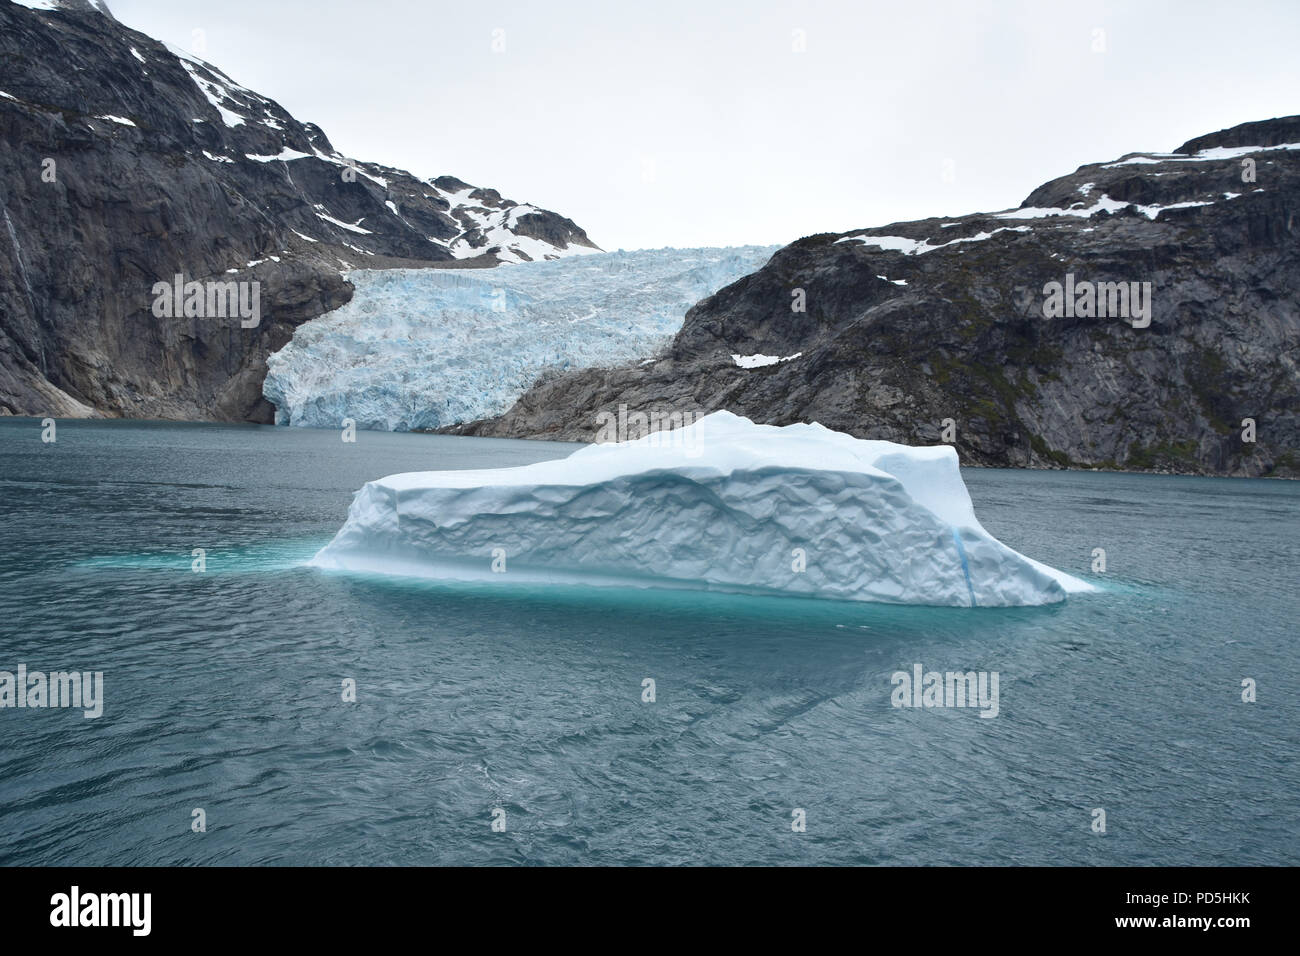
{"x": 723, "y": 505}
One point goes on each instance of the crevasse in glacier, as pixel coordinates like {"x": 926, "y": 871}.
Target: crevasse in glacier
{"x": 723, "y": 504}
{"x": 423, "y": 348}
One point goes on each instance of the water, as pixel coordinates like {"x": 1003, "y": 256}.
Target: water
{"x": 223, "y": 689}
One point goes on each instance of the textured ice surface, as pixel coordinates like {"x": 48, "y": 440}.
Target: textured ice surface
{"x": 422, "y": 348}
{"x": 721, "y": 505}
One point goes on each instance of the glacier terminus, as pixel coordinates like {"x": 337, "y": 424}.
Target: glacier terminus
{"x": 424, "y": 348}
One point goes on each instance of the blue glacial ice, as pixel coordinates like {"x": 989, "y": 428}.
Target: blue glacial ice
{"x": 423, "y": 348}
{"x": 723, "y": 504}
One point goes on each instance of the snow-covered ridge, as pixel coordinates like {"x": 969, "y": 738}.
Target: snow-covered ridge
{"x": 485, "y": 226}
{"x": 1204, "y": 156}
{"x": 97, "y": 6}
{"x": 426, "y": 348}
{"x": 1082, "y": 210}
{"x": 487, "y": 223}
{"x": 916, "y": 247}
{"x": 723, "y": 505}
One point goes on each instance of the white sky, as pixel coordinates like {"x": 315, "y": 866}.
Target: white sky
{"x": 693, "y": 122}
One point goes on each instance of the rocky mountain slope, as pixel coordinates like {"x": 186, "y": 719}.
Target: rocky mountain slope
{"x": 939, "y": 329}
{"x": 124, "y": 163}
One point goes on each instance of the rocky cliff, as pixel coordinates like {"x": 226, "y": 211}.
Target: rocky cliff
{"x": 124, "y": 163}
{"x": 1133, "y": 314}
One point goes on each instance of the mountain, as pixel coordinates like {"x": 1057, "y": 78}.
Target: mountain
{"x": 915, "y": 323}
{"x": 125, "y": 163}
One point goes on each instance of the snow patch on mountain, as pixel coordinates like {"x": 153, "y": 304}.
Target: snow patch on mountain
{"x": 489, "y": 222}
{"x": 917, "y": 247}
{"x": 759, "y": 360}
{"x": 1103, "y": 204}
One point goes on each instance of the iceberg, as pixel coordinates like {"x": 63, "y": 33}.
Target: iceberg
{"x": 722, "y": 504}
{"x": 423, "y": 348}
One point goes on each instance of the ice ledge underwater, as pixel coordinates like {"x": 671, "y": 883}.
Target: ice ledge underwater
{"x": 722, "y": 505}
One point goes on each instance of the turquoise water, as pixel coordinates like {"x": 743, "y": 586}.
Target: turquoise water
{"x": 223, "y": 688}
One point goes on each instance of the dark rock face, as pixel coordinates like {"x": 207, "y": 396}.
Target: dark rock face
{"x": 123, "y": 164}
{"x": 966, "y": 338}
{"x": 1274, "y": 132}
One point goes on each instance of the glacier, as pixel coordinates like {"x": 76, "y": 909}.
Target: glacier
{"x": 423, "y": 348}
{"x": 722, "y": 504}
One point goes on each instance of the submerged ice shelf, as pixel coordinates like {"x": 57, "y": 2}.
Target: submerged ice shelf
{"x": 423, "y": 348}
{"x": 723, "y": 504}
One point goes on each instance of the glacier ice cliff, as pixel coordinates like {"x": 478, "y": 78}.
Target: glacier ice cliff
{"x": 423, "y": 348}
{"x": 723, "y": 504}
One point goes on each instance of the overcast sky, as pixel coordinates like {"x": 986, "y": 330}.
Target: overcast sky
{"x": 700, "y": 122}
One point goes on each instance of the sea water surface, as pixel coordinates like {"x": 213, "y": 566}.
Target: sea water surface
{"x": 223, "y": 688}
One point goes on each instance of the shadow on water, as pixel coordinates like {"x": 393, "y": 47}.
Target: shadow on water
{"x": 753, "y": 642}
{"x": 742, "y": 627}
{"x": 615, "y": 607}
